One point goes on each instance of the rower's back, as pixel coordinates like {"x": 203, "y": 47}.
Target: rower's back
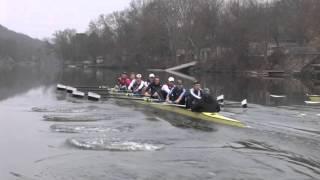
{"x": 206, "y": 104}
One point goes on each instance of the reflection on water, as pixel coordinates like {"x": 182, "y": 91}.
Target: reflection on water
{"x": 21, "y": 79}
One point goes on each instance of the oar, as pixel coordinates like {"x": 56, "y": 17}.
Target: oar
{"x": 106, "y": 90}
{"x": 92, "y": 87}
{"x": 169, "y": 104}
{"x": 78, "y": 94}
{"x": 222, "y": 103}
{"x": 133, "y": 98}
{"x": 243, "y": 104}
{"x": 61, "y": 87}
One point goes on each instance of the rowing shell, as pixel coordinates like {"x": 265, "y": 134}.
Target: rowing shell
{"x": 314, "y": 98}
{"x": 312, "y": 103}
{"x": 206, "y": 116}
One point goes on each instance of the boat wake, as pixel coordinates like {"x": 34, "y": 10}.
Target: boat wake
{"x": 65, "y": 109}
{"x": 78, "y": 118}
{"x": 298, "y": 163}
{"x": 102, "y": 144}
{"x": 62, "y": 128}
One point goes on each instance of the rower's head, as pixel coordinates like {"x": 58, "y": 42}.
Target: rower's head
{"x": 132, "y": 76}
{"x": 206, "y": 90}
{"x": 196, "y": 85}
{"x": 138, "y": 78}
{"x": 171, "y": 81}
{"x": 151, "y": 77}
{"x": 124, "y": 75}
{"x": 179, "y": 84}
{"x": 157, "y": 81}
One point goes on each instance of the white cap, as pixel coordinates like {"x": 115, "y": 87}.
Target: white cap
{"x": 138, "y": 76}
{"x": 151, "y": 76}
{"x": 171, "y": 79}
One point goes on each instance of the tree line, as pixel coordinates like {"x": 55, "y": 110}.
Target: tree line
{"x": 157, "y": 32}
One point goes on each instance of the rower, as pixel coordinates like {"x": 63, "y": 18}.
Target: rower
{"x": 199, "y": 101}
{"x": 154, "y": 89}
{"x": 177, "y": 94}
{"x": 166, "y": 88}
{"x": 132, "y": 76}
{"x": 136, "y": 86}
{"x": 123, "y": 81}
{"x": 150, "y": 79}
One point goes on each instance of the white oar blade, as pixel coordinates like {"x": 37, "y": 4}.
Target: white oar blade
{"x": 78, "y": 94}
{"x": 70, "y": 89}
{"x": 61, "y": 87}
{"x": 94, "y": 96}
{"x": 220, "y": 98}
{"x": 312, "y": 103}
{"x": 244, "y": 103}
{"x": 277, "y": 96}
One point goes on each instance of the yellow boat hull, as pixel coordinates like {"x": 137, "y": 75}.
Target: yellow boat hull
{"x": 206, "y": 116}
{"x": 314, "y": 98}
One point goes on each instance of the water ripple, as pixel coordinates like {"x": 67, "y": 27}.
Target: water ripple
{"x": 65, "y": 109}
{"x": 102, "y": 144}
{"x": 290, "y": 157}
{"x": 88, "y": 128}
{"x": 79, "y": 118}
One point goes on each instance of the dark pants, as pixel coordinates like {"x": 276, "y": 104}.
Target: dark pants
{"x": 206, "y": 104}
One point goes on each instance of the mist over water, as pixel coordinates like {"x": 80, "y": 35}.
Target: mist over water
{"x": 50, "y": 135}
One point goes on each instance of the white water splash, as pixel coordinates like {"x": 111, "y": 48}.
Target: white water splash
{"x": 87, "y": 128}
{"x": 103, "y": 144}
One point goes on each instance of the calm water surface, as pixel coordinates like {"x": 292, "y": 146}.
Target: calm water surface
{"x": 49, "y": 135}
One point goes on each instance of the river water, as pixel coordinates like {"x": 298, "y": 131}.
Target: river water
{"x": 49, "y": 135}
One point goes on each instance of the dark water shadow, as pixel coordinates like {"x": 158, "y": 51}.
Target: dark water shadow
{"x": 252, "y": 146}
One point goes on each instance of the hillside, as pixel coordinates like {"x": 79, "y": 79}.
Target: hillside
{"x": 17, "y": 48}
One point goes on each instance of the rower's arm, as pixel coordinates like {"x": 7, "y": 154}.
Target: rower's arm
{"x": 166, "y": 89}
{"x": 141, "y": 86}
{"x": 181, "y": 95}
{"x": 194, "y": 95}
{"x": 131, "y": 84}
{"x": 168, "y": 98}
{"x": 146, "y": 90}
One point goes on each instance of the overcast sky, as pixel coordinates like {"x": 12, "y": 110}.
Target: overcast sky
{"x": 40, "y": 18}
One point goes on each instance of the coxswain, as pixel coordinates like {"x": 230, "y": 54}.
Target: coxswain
{"x": 199, "y": 101}
{"x": 123, "y": 81}
{"x": 177, "y": 94}
{"x": 137, "y": 85}
{"x": 154, "y": 89}
{"x": 166, "y": 88}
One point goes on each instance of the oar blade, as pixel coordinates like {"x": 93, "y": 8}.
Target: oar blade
{"x": 244, "y": 103}
{"x": 93, "y": 96}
